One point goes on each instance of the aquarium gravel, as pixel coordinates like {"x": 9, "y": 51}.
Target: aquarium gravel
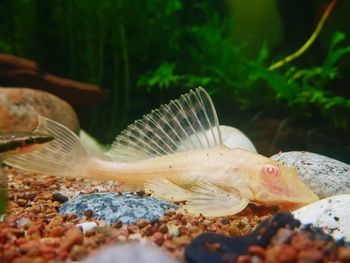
{"x": 34, "y": 231}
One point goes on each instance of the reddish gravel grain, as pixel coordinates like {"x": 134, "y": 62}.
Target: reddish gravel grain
{"x": 33, "y": 231}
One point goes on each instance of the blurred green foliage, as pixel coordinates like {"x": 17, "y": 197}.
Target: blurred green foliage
{"x": 156, "y": 46}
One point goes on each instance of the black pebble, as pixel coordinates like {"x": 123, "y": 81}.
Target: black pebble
{"x": 59, "y": 197}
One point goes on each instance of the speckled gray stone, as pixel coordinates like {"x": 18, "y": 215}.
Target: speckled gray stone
{"x": 324, "y": 175}
{"x": 112, "y": 207}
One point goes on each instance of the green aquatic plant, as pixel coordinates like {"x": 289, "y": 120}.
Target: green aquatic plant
{"x": 155, "y": 48}
{"x": 222, "y": 68}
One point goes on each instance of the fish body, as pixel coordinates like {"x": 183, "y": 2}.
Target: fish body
{"x": 17, "y": 143}
{"x": 13, "y": 143}
{"x": 213, "y": 179}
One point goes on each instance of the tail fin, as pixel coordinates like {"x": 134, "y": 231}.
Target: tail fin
{"x": 64, "y": 156}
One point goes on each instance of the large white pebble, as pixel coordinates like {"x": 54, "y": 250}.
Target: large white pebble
{"x": 231, "y": 137}
{"x": 131, "y": 253}
{"x": 331, "y": 214}
{"x": 234, "y": 138}
{"x": 325, "y": 176}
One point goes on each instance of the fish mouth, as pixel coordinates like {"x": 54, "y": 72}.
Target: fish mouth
{"x": 288, "y": 204}
{"x": 293, "y": 205}
{"x": 287, "y": 196}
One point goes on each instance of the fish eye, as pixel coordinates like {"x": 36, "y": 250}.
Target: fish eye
{"x": 271, "y": 170}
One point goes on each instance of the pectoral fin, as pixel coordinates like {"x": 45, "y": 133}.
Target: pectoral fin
{"x": 164, "y": 189}
{"x": 212, "y": 201}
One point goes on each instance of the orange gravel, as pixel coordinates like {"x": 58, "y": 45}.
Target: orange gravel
{"x": 33, "y": 231}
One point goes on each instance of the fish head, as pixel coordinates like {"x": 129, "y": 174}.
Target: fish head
{"x": 280, "y": 185}
{"x": 14, "y": 143}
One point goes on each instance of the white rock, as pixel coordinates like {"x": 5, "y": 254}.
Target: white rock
{"x": 232, "y": 138}
{"x": 331, "y": 214}
{"x": 86, "y": 226}
{"x": 131, "y": 253}
{"x": 325, "y": 176}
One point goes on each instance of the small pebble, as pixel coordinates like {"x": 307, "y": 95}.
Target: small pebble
{"x": 23, "y": 222}
{"x": 121, "y": 253}
{"x": 86, "y": 226}
{"x": 117, "y": 224}
{"x": 59, "y": 197}
{"x": 74, "y": 236}
{"x": 88, "y": 213}
{"x": 158, "y": 238}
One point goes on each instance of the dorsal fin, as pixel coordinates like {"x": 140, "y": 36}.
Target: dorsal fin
{"x": 185, "y": 124}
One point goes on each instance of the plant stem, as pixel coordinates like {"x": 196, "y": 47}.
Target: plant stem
{"x": 309, "y": 42}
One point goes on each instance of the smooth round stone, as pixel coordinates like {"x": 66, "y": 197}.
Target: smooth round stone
{"x": 234, "y": 138}
{"x": 231, "y": 137}
{"x": 131, "y": 253}
{"x": 325, "y": 176}
{"x": 21, "y": 107}
{"x": 330, "y": 214}
{"x": 111, "y": 207}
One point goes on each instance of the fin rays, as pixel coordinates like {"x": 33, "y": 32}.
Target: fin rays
{"x": 181, "y": 125}
{"x": 63, "y": 156}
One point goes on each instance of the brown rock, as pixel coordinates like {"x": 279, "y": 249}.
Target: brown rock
{"x": 57, "y": 231}
{"x": 281, "y": 253}
{"x": 20, "y": 108}
{"x": 29, "y": 259}
{"x": 73, "y": 237}
{"x": 310, "y": 255}
{"x": 9, "y": 62}
{"x": 158, "y": 238}
{"x": 56, "y": 221}
{"x": 257, "y": 250}
{"x": 132, "y": 229}
{"x": 142, "y": 223}
{"x": 74, "y": 92}
{"x": 78, "y": 252}
{"x": 163, "y": 228}
{"x": 117, "y": 224}
{"x": 147, "y": 230}
{"x": 344, "y": 254}
{"x": 233, "y": 230}
{"x": 181, "y": 241}
{"x": 209, "y": 246}
{"x": 48, "y": 252}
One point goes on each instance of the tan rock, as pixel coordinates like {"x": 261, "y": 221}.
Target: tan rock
{"x": 20, "y": 108}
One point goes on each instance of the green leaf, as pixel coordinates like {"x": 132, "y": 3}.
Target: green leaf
{"x": 162, "y": 77}
{"x": 263, "y": 54}
{"x": 334, "y": 53}
{"x": 337, "y": 38}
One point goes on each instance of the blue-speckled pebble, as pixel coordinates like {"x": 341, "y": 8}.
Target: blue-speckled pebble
{"x": 112, "y": 207}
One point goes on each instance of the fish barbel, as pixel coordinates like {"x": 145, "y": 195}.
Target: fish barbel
{"x": 176, "y": 153}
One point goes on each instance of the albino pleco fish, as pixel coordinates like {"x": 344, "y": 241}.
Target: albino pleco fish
{"x": 213, "y": 179}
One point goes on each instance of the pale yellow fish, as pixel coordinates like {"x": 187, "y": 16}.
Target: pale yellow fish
{"x": 176, "y": 153}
